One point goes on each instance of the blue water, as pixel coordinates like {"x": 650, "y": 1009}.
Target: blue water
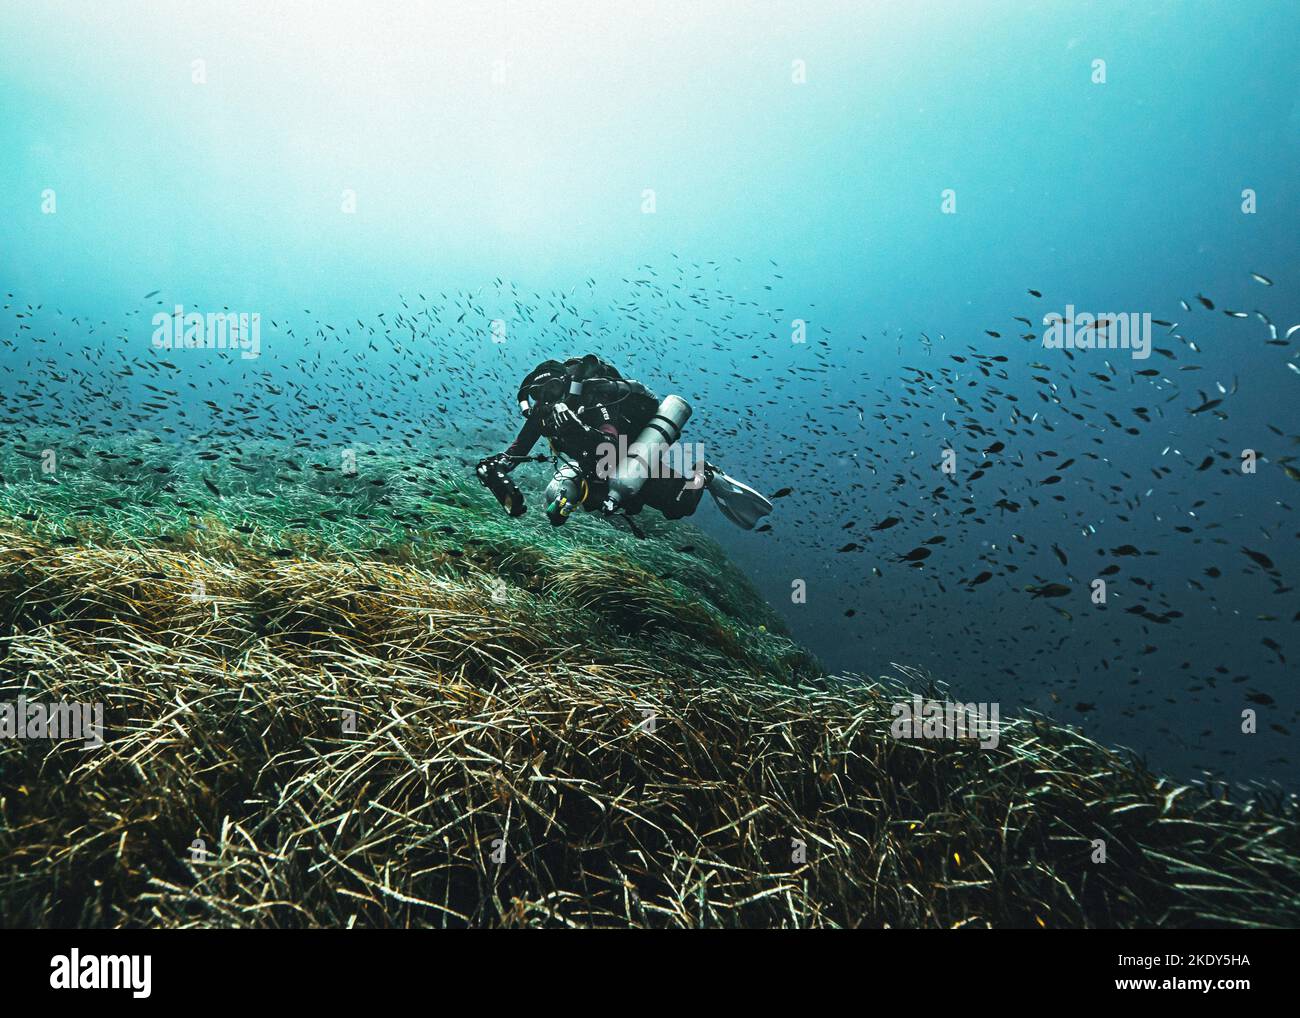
{"x": 673, "y": 187}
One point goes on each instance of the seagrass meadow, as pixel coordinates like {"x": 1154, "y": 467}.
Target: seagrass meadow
{"x": 375, "y": 701}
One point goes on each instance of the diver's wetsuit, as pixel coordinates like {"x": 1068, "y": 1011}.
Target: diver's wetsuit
{"x": 607, "y": 407}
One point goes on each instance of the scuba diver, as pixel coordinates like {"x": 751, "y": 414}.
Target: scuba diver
{"x": 609, "y": 436}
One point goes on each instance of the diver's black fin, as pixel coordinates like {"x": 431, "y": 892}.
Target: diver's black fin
{"x": 737, "y": 502}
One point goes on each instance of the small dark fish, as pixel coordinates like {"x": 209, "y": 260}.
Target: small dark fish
{"x": 782, "y": 493}
{"x": 1259, "y": 558}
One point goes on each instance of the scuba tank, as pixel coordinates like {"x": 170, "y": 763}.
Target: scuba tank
{"x": 643, "y": 455}
{"x": 567, "y": 491}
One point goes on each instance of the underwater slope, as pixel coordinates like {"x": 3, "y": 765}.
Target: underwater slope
{"x": 375, "y": 701}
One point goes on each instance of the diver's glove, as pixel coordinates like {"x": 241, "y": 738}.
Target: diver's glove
{"x": 569, "y": 430}
{"x": 579, "y": 441}
{"x": 564, "y": 425}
